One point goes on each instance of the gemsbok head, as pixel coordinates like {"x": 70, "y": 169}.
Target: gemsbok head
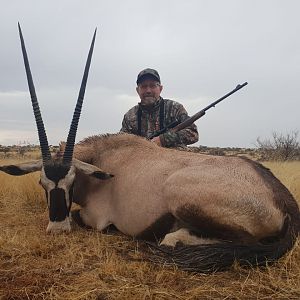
{"x": 57, "y": 174}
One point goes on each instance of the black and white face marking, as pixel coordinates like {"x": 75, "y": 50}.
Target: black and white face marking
{"x": 57, "y": 180}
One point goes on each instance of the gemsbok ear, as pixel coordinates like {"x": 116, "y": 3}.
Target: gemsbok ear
{"x": 23, "y": 168}
{"x": 90, "y": 170}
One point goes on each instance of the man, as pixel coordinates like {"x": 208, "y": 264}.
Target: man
{"x": 154, "y": 113}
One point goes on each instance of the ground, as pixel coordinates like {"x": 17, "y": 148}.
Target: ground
{"x": 91, "y": 265}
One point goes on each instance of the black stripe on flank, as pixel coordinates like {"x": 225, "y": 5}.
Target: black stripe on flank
{"x": 203, "y": 225}
{"x": 158, "y": 229}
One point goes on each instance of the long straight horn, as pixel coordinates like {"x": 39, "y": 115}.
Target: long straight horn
{"x": 35, "y": 105}
{"x": 67, "y": 158}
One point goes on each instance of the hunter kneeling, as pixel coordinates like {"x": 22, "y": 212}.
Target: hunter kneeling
{"x": 154, "y": 113}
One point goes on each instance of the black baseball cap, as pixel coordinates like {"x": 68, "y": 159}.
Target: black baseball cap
{"x": 147, "y": 74}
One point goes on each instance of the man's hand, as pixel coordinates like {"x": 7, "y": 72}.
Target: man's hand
{"x": 156, "y": 140}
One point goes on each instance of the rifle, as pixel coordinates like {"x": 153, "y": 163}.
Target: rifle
{"x": 177, "y": 126}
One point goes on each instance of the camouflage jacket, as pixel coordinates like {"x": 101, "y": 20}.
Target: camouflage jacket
{"x": 150, "y": 123}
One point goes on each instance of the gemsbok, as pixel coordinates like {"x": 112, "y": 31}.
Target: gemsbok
{"x": 201, "y": 212}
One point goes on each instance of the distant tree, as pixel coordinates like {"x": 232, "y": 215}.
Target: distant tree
{"x": 22, "y": 150}
{"x": 216, "y": 151}
{"x": 5, "y": 150}
{"x": 280, "y": 147}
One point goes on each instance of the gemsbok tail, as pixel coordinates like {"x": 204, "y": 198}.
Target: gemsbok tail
{"x": 219, "y": 257}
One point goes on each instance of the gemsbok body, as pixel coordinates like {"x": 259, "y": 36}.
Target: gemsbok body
{"x": 203, "y": 212}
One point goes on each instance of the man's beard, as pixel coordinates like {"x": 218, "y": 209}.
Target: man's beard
{"x": 149, "y": 101}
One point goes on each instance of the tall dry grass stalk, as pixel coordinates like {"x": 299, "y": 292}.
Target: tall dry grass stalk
{"x": 91, "y": 265}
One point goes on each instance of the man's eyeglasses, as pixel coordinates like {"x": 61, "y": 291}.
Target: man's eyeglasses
{"x": 152, "y": 86}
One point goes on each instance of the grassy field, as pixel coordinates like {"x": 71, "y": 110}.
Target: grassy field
{"x": 91, "y": 265}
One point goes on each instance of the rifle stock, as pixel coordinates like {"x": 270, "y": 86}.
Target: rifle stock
{"x": 189, "y": 121}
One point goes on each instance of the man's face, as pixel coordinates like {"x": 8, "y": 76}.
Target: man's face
{"x": 149, "y": 91}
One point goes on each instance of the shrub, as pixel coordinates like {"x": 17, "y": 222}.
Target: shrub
{"x": 280, "y": 147}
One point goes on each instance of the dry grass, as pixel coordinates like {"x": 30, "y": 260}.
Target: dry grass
{"x": 91, "y": 265}
{"x": 289, "y": 174}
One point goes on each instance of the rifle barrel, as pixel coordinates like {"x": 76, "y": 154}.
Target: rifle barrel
{"x": 238, "y": 87}
{"x": 201, "y": 113}
{"x": 174, "y": 126}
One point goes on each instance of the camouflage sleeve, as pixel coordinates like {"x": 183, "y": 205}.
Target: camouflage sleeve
{"x": 186, "y": 136}
{"x": 129, "y": 121}
{"x": 126, "y": 126}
